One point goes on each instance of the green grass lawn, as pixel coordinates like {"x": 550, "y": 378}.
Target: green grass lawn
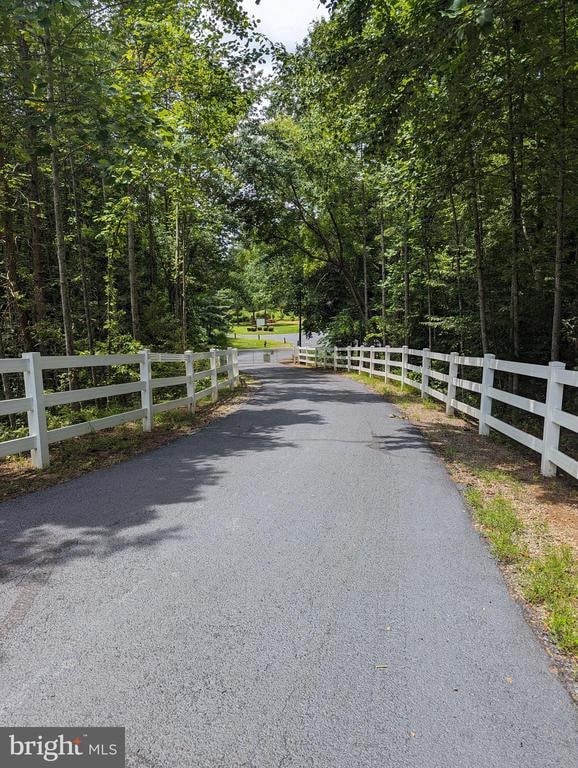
{"x": 282, "y": 328}
{"x": 254, "y": 343}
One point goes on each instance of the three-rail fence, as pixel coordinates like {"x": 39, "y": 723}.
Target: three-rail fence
{"x": 216, "y": 370}
{"x": 396, "y": 363}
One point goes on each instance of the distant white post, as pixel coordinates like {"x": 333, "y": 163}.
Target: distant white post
{"x": 190, "y": 371}
{"x": 348, "y": 358}
{"x": 34, "y": 389}
{"x": 147, "y": 393}
{"x": 554, "y": 400}
{"x": 386, "y": 358}
{"x": 404, "y": 355}
{"x": 335, "y": 359}
{"x": 452, "y": 375}
{"x": 214, "y": 376}
{"x": 371, "y": 362}
{"x": 485, "y": 399}
{"x": 425, "y": 366}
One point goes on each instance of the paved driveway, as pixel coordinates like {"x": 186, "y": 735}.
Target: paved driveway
{"x": 299, "y": 585}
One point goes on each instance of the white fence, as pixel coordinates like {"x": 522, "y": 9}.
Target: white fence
{"x": 394, "y": 363}
{"x": 32, "y": 365}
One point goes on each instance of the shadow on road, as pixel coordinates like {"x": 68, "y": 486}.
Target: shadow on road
{"x": 125, "y": 507}
{"x": 309, "y": 385}
{"x": 128, "y": 506}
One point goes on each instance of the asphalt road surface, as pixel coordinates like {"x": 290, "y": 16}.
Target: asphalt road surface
{"x": 299, "y": 585}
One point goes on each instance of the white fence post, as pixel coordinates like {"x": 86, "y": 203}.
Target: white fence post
{"x": 485, "y": 399}
{"x": 386, "y": 364}
{"x": 34, "y": 388}
{"x": 554, "y": 401}
{"x": 425, "y": 365}
{"x": 348, "y": 358}
{"x": 371, "y": 362}
{"x": 335, "y": 359}
{"x": 190, "y": 371}
{"x": 230, "y": 367}
{"x": 404, "y": 355}
{"x": 236, "y": 376}
{"x": 361, "y": 353}
{"x": 214, "y": 376}
{"x": 452, "y": 374}
{"x": 147, "y": 392}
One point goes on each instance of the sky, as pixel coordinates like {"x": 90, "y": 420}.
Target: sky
{"x": 285, "y": 21}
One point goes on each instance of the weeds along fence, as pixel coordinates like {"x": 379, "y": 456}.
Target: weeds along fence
{"x": 477, "y": 387}
{"x": 200, "y": 374}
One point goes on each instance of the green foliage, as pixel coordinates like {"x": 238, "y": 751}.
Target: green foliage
{"x": 501, "y": 525}
{"x": 497, "y": 476}
{"x": 419, "y": 163}
{"x": 553, "y": 577}
{"x": 132, "y": 104}
{"x": 552, "y": 581}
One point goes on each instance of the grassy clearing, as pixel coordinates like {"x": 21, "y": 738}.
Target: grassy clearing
{"x": 531, "y": 522}
{"x": 282, "y": 328}
{"x": 76, "y": 457}
{"x": 255, "y": 343}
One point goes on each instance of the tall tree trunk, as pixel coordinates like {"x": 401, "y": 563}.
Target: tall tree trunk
{"x": 405, "y": 254}
{"x": 35, "y": 207}
{"x": 365, "y": 275}
{"x": 34, "y": 202}
{"x": 82, "y": 261}
{"x": 57, "y": 202}
{"x": 514, "y": 143}
{"x": 561, "y": 191}
{"x": 11, "y": 267}
{"x": 458, "y": 239}
{"x": 152, "y": 249}
{"x": 184, "y": 335}
{"x": 479, "y": 249}
{"x": 177, "y": 267}
{"x": 428, "y": 254}
{"x": 383, "y": 294}
{"x": 133, "y": 280}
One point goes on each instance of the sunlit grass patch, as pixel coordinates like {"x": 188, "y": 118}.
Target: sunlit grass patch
{"x": 552, "y": 581}
{"x": 497, "y": 476}
{"x": 255, "y": 343}
{"x": 501, "y": 525}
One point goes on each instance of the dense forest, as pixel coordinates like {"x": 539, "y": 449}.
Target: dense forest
{"x": 408, "y": 175}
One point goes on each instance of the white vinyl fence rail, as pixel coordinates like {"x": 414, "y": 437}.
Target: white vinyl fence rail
{"x": 222, "y": 371}
{"x": 396, "y": 363}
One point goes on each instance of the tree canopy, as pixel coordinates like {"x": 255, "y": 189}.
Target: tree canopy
{"x": 408, "y": 175}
